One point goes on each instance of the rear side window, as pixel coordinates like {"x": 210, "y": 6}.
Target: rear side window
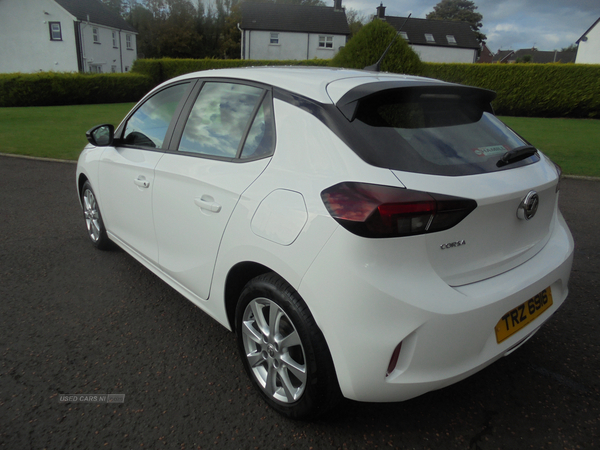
{"x": 435, "y": 132}
{"x": 228, "y": 119}
{"x": 148, "y": 126}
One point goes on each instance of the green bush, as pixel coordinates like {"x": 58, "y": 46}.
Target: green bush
{"x": 166, "y": 68}
{"x": 368, "y": 45}
{"x": 52, "y": 88}
{"x": 531, "y": 90}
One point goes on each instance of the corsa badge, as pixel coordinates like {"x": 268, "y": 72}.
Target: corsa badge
{"x": 453, "y": 244}
{"x": 528, "y": 206}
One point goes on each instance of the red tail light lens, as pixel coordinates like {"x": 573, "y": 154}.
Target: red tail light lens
{"x": 375, "y": 211}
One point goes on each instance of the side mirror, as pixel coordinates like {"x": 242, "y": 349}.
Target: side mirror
{"x": 101, "y": 135}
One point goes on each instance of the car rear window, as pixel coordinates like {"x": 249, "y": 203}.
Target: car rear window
{"x": 441, "y": 131}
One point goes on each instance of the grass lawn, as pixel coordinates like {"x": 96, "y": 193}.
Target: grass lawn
{"x": 54, "y": 131}
{"x": 59, "y": 132}
{"x": 574, "y": 144}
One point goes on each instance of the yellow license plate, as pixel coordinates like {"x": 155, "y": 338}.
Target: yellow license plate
{"x": 523, "y": 315}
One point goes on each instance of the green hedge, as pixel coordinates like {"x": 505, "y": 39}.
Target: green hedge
{"x": 53, "y": 88}
{"x": 164, "y": 69}
{"x": 531, "y": 90}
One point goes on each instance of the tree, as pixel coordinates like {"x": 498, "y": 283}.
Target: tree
{"x": 368, "y": 45}
{"x": 355, "y": 20}
{"x": 570, "y": 48}
{"x": 460, "y": 10}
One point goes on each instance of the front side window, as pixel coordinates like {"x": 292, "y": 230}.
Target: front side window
{"x": 148, "y": 126}
{"x": 221, "y": 118}
{"x": 325, "y": 41}
{"x": 55, "y": 31}
{"x": 128, "y": 42}
{"x": 95, "y": 35}
{"x": 114, "y": 36}
{"x": 274, "y": 39}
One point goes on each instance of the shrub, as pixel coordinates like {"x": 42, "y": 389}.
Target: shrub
{"x": 531, "y": 90}
{"x": 52, "y": 88}
{"x": 368, "y": 45}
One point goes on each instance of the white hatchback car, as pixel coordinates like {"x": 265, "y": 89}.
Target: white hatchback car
{"x": 366, "y": 234}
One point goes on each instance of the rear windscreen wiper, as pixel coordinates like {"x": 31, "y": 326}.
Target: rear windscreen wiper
{"x": 517, "y": 154}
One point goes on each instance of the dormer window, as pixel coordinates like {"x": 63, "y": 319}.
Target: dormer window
{"x": 404, "y": 35}
{"x": 451, "y": 39}
{"x": 429, "y": 38}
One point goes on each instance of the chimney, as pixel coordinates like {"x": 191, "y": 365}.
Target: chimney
{"x": 381, "y": 11}
{"x": 337, "y": 5}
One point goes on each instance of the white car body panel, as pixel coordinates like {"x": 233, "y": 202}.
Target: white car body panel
{"x": 193, "y": 200}
{"x": 127, "y": 174}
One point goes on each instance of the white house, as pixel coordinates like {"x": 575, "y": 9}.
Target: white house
{"x": 588, "y": 50}
{"x": 64, "y": 36}
{"x": 441, "y": 41}
{"x": 274, "y": 31}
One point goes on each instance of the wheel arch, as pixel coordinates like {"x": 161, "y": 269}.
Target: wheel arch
{"x": 237, "y": 278}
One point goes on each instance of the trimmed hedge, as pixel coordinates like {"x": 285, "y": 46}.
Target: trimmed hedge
{"x": 531, "y": 90}
{"x": 164, "y": 69}
{"x": 53, "y": 88}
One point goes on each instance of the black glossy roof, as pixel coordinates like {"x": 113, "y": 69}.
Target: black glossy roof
{"x": 96, "y": 12}
{"x": 293, "y": 18}
{"x": 416, "y": 29}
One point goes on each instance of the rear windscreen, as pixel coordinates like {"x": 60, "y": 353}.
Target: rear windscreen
{"x": 439, "y": 132}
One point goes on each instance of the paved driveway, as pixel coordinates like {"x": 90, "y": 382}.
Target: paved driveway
{"x": 75, "y": 320}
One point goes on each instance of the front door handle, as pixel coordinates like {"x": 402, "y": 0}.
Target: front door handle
{"x": 207, "y": 203}
{"x": 141, "y": 182}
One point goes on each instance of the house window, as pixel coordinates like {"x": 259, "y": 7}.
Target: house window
{"x": 429, "y": 37}
{"x": 114, "y": 34}
{"x": 95, "y": 68}
{"x": 451, "y": 39}
{"x": 274, "y": 39}
{"x": 128, "y": 42}
{"x": 55, "y": 31}
{"x": 404, "y": 35}
{"x": 325, "y": 41}
{"x": 113, "y": 69}
{"x": 95, "y": 35}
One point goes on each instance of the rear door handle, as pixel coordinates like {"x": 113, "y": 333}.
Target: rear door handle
{"x": 141, "y": 182}
{"x": 208, "y": 204}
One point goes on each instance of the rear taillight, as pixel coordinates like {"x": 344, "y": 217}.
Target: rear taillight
{"x": 375, "y": 211}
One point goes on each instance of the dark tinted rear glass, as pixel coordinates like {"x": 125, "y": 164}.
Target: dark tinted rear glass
{"x": 433, "y": 131}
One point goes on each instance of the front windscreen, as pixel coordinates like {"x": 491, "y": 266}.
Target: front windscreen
{"x": 433, "y": 131}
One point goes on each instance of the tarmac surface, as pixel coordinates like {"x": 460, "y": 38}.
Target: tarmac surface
{"x": 75, "y": 320}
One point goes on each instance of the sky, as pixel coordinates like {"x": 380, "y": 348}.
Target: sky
{"x": 509, "y": 24}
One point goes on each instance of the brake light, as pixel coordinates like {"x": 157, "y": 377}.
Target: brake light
{"x": 376, "y": 211}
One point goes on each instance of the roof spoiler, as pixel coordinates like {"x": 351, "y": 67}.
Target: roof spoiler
{"x": 377, "y": 66}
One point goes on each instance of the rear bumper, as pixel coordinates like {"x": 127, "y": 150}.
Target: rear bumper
{"x": 367, "y": 297}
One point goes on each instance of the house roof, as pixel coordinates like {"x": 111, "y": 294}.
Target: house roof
{"x": 293, "y": 18}
{"x": 95, "y": 12}
{"x": 588, "y": 30}
{"x": 440, "y": 29}
{"x": 537, "y": 56}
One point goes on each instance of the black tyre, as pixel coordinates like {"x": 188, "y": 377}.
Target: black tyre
{"x": 93, "y": 218}
{"x": 283, "y": 350}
